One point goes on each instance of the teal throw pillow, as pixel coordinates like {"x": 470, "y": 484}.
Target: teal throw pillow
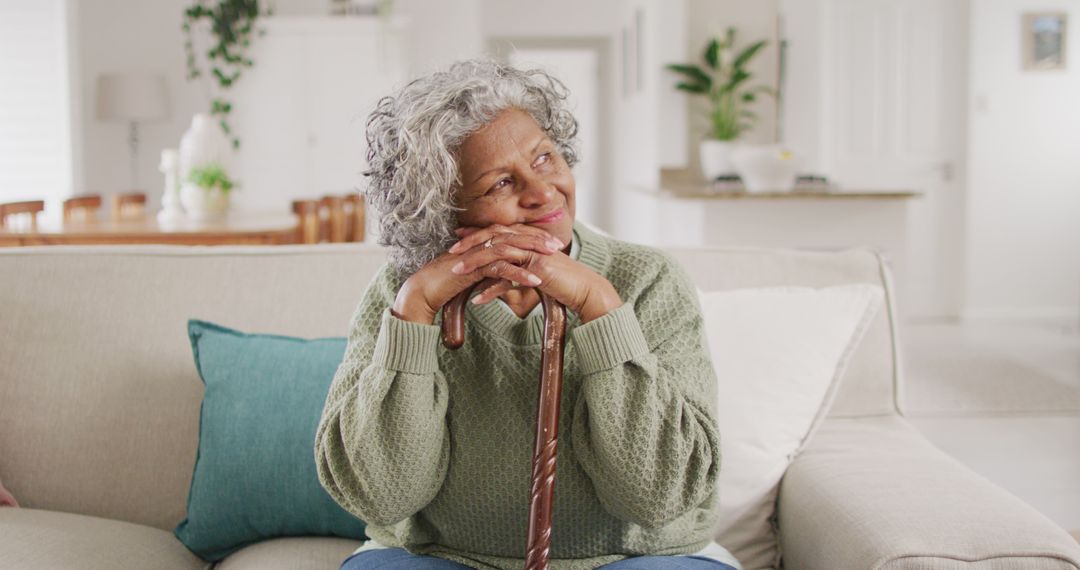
{"x": 255, "y": 475}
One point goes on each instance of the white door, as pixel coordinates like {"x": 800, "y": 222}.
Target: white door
{"x": 891, "y": 91}
{"x": 271, "y": 121}
{"x": 579, "y": 70}
{"x": 301, "y": 111}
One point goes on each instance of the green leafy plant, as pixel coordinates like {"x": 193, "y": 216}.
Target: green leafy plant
{"x": 231, "y": 25}
{"x": 209, "y": 176}
{"x": 723, "y": 80}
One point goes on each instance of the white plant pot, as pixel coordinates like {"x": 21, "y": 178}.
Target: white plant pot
{"x": 765, "y": 168}
{"x": 715, "y": 161}
{"x": 204, "y": 143}
{"x": 204, "y": 204}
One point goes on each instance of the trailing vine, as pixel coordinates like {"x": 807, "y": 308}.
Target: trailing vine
{"x": 231, "y": 24}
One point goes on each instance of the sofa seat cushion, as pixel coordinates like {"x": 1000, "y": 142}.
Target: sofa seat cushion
{"x": 292, "y": 553}
{"x": 46, "y": 540}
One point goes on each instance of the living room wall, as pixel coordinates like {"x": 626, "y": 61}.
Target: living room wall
{"x": 1023, "y": 238}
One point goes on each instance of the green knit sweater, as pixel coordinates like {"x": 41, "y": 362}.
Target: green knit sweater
{"x": 433, "y": 447}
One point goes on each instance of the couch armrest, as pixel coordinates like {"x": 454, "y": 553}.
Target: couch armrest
{"x": 873, "y": 493}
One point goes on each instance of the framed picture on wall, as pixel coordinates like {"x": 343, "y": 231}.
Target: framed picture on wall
{"x": 1043, "y": 40}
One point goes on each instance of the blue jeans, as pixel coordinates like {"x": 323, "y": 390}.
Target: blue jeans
{"x": 401, "y": 559}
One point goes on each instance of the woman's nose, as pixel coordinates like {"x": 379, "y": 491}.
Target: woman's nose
{"x": 536, "y": 190}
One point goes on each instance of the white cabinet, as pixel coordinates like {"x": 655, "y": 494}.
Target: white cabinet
{"x": 300, "y": 112}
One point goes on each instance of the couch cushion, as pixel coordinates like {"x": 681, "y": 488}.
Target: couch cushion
{"x": 869, "y": 383}
{"x": 307, "y": 553}
{"x": 255, "y": 476}
{"x": 779, "y": 354}
{"x": 47, "y": 540}
{"x": 875, "y": 493}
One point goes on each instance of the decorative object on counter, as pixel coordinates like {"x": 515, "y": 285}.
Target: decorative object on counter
{"x": 230, "y": 24}
{"x": 811, "y": 183}
{"x": 723, "y": 81}
{"x": 803, "y": 183}
{"x": 201, "y": 145}
{"x": 1043, "y": 37}
{"x": 205, "y": 193}
{"x": 765, "y": 168}
{"x": 171, "y": 211}
{"x": 361, "y": 7}
{"x": 132, "y": 98}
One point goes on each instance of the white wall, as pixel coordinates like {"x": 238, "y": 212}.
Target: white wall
{"x": 130, "y": 35}
{"x": 441, "y": 32}
{"x": 35, "y": 156}
{"x": 1023, "y": 239}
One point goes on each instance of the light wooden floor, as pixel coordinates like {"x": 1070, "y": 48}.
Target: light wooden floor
{"x": 1035, "y": 456}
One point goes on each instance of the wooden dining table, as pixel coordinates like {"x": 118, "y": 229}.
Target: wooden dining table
{"x": 237, "y": 228}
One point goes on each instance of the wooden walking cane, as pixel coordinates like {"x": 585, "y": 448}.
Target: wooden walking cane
{"x": 547, "y": 416}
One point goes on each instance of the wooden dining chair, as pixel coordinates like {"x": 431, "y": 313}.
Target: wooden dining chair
{"x": 307, "y": 226}
{"x": 10, "y": 210}
{"x": 332, "y": 218}
{"x": 354, "y": 217}
{"x": 129, "y": 206}
{"x": 81, "y": 208}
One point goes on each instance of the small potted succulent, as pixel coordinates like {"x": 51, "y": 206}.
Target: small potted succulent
{"x": 724, "y": 81}
{"x": 205, "y": 193}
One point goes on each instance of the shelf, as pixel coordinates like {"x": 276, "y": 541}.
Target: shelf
{"x": 704, "y": 192}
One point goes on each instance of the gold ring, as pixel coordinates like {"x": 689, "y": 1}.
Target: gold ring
{"x": 488, "y": 244}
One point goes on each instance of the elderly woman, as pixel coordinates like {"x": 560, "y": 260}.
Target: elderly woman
{"x": 470, "y": 173}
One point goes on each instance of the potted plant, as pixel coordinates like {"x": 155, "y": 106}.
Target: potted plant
{"x": 205, "y": 192}
{"x": 229, "y": 26}
{"x": 723, "y": 80}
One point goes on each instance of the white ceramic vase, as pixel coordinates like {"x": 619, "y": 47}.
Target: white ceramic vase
{"x": 765, "y": 167}
{"x": 204, "y": 204}
{"x": 203, "y": 144}
{"x": 715, "y": 158}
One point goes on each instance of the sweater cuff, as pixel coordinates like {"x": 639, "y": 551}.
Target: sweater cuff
{"x": 405, "y": 346}
{"x": 610, "y": 340}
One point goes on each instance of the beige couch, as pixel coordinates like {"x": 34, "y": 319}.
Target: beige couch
{"x": 99, "y": 413}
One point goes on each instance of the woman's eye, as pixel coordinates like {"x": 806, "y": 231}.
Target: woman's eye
{"x": 544, "y": 158}
{"x": 501, "y": 184}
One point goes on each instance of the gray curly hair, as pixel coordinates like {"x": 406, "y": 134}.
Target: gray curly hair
{"x": 413, "y": 138}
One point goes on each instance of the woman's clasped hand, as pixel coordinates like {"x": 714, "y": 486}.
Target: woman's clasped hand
{"x": 519, "y": 255}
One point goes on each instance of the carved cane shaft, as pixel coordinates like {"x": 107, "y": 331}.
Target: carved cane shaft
{"x": 538, "y": 552}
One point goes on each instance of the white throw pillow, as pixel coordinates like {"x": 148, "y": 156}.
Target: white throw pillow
{"x": 779, "y": 353}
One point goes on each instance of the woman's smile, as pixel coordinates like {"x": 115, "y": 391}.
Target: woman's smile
{"x": 552, "y": 217}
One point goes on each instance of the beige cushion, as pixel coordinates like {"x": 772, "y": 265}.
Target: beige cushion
{"x": 869, "y": 383}
{"x": 874, "y": 493}
{"x": 46, "y": 540}
{"x": 779, "y": 354}
{"x": 308, "y": 553}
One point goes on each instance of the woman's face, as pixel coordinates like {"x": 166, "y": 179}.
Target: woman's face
{"x": 512, "y": 173}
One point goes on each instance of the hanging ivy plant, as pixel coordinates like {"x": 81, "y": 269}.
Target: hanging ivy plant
{"x": 231, "y": 24}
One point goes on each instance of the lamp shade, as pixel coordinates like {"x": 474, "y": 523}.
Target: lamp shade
{"x": 131, "y": 97}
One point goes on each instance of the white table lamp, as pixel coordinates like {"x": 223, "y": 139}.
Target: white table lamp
{"x": 132, "y": 98}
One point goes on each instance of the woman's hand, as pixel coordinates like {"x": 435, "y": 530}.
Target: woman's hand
{"x": 568, "y": 281}
{"x": 423, "y": 294}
